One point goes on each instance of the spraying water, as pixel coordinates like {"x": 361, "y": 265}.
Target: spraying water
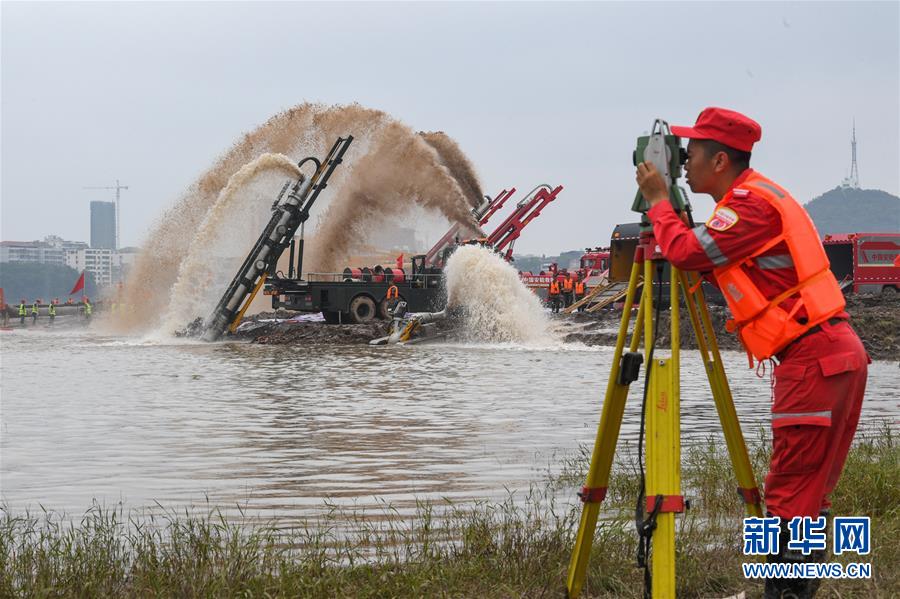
{"x": 388, "y": 169}
{"x": 458, "y": 164}
{"x": 400, "y": 169}
{"x": 218, "y": 247}
{"x": 496, "y": 306}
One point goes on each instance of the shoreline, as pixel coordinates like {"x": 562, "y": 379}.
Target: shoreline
{"x": 875, "y": 318}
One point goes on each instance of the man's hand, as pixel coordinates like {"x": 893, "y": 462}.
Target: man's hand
{"x": 651, "y": 184}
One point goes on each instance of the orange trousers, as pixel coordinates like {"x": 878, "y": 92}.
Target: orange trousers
{"x": 819, "y": 386}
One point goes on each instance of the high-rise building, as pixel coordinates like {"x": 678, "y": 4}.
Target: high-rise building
{"x": 103, "y": 225}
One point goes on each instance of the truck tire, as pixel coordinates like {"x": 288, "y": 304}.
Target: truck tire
{"x": 386, "y": 305}
{"x": 331, "y": 317}
{"x": 362, "y": 309}
{"x": 889, "y": 291}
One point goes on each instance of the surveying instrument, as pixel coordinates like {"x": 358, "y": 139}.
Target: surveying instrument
{"x": 661, "y": 497}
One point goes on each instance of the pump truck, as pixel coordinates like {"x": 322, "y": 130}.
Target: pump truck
{"x": 359, "y": 295}
{"x": 262, "y": 261}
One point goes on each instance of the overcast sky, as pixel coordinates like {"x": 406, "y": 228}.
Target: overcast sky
{"x": 152, "y": 93}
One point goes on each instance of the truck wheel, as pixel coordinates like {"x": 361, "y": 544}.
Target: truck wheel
{"x": 362, "y": 309}
{"x": 331, "y": 317}
{"x": 889, "y": 291}
{"x": 386, "y": 305}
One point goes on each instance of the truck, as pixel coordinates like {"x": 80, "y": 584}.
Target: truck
{"x": 593, "y": 268}
{"x": 360, "y": 295}
{"x": 865, "y": 262}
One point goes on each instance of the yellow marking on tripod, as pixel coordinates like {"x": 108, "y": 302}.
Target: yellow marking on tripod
{"x": 663, "y": 424}
{"x": 604, "y": 445}
{"x": 718, "y": 383}
{"x": 237, "y": 319}
{"x": 663, "y": 470}
{"x": 664, "y": 450}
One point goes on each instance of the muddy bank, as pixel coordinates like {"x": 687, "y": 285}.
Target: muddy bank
{"x": 875, "y": 318}
{"x": 270, "y": 328}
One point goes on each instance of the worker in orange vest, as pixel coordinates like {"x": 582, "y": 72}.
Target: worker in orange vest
{"x": 554, "y": 295}
{"x": 567, "y": 289}
{"x": 579, "y": 292}
{"x": 761, "y": 248}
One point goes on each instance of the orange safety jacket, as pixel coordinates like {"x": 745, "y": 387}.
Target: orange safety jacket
{"x": 554, "y": 288}
{"x": 766, "y": 326}
{"x": 567, "y": 284}
{"x": 579, "y": 288}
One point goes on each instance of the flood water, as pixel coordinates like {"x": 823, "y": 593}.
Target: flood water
{"x": 282, "y": 430}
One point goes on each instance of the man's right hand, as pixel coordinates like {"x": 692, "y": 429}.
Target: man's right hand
{"x": 651, "y": 183}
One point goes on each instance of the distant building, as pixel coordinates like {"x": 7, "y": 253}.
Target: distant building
{"x": 98, "y": 261}
{"x": 122, "y": 262}
{"x": 52, "y": 250}
{"x": 396, "y": 238}
{"x": 103, "y": 225}
{"x": 35, "y": 252}
{"x": 107, "y": 265}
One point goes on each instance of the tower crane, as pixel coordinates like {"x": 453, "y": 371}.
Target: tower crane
{"x": 118, "y": 187}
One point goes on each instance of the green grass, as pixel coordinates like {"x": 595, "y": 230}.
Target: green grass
{"x": 516, "y": 548}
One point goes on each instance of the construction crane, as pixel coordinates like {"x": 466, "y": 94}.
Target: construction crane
{"x": 262, "y": 261}
{"x": 118, "y": 187}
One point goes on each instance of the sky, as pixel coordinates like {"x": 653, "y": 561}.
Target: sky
{"x": 151, "y": 93}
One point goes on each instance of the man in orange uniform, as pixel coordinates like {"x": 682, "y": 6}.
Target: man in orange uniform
{"x": 553, "y": 295}
{"x": 762, "y": 250}
{"x": 579, "y": 292}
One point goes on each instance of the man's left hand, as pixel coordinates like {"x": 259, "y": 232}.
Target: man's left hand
{"x": 651, "y": 184}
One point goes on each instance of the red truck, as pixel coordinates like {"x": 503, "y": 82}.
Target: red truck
{"x": 865, "y": 261}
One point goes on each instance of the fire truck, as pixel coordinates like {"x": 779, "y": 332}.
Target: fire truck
{"x": 593, "y": 267}
{"x": 865, "y": 262}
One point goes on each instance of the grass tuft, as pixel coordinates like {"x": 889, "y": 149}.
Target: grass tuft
{"x": 519, "y": 547}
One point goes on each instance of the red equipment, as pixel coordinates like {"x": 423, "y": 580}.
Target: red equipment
{"x": 594, "y": 262}
{"x": 483, "y": 213}
{"x": 865, "y": 261}
{"x": 526, "y": 211}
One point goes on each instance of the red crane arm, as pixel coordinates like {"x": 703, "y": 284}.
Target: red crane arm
{"x": 526, "y": 211}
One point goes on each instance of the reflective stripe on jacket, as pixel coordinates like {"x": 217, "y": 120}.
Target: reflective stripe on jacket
{"x": 777, "y": 285}
{"x": 765, "y": 325}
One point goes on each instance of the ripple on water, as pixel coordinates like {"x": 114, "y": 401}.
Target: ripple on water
{"x": 281, "y": 430}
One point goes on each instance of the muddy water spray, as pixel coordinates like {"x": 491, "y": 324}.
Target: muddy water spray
{"x": 496, "y": 305}
{"x": 400, "y": 169}
{"x": 218, "y": 248}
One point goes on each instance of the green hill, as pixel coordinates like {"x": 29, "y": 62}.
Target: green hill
{"x": 854, "y": 211}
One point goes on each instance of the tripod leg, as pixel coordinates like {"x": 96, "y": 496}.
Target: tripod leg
{"x": 718, "y": 383}
{"x": 664, "y": 456}
{"x": 597, "y": 479}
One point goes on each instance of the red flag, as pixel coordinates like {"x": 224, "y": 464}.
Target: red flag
{"x": 400, "y": 261}
{"x": 79, "y": 285}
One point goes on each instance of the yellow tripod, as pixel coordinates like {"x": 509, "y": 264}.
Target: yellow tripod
{"x": 663, "y": 456}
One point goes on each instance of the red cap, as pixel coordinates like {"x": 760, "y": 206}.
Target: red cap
{"x": 724, "y": 126}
